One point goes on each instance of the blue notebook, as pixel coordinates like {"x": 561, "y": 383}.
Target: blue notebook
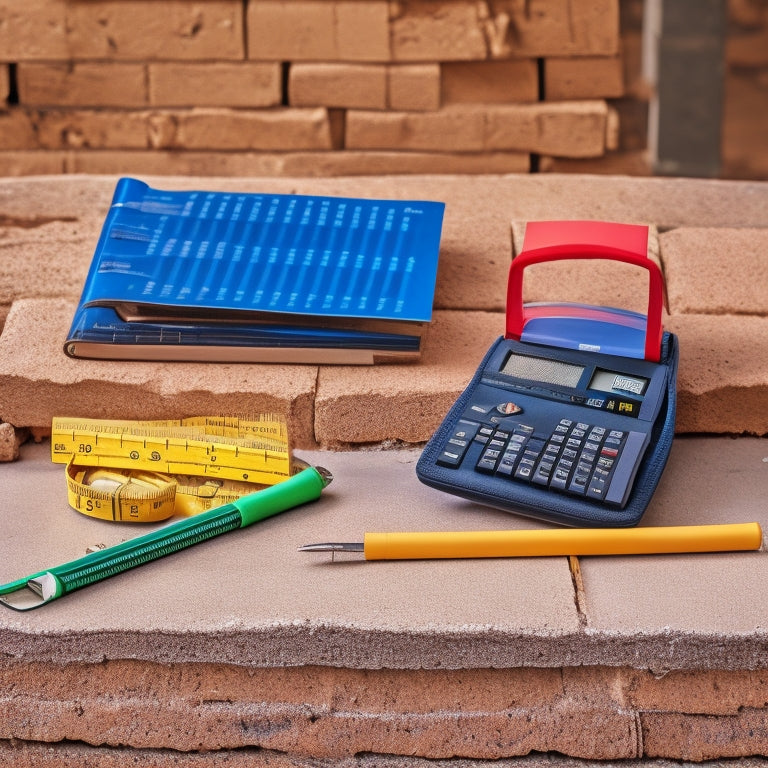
{"x": 251, "y": 277}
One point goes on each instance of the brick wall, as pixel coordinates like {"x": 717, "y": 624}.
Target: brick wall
{"x": 309, "y": 87}
{"x": 329, "y": 87}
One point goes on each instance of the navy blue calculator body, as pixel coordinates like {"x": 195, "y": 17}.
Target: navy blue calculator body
{"x": 570, "y": 416}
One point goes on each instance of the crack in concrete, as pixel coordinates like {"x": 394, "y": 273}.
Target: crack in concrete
{"x": 579, "y": 596}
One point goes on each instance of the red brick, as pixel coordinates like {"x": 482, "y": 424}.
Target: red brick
{"x": 318, "y": 30}
{"x": 567, "y": 129}
{"x": 98, "y": 129}
{"x": 448, "y": 130}
{"x": 621, "y": 163}
{"x": 722, "y": 384}
{"x": 157, "y": 162}
{"x": 34, "y": 29}
{"x": 441, "y": 30}
{"x": 195, "y": 129}
{"x": 716, "y": 271}
{"x": 413, "y": 87}
{"x": 82, "y": 84}
{"x": 583, "y": 78}
{"x": 490, "y": 82}
{"x": 572, "y": 129}
{"x": 705, "y": 692}
{"x": 319, "y": 712}
{"x": 436, "y": 30}
{"x": 32, "y": 162}
{"x": 172, "y": 29}
{"x": 379, "y": 692}
{"x": 356, "y": 86}
{"x": 215, "y": 84}
{"x": 17, "y": 130}
{"x": 705, "y": 737}
{"x": 635, "y": 83}
{"x": 292, "y": 128}
{"x": 540, "y": 28}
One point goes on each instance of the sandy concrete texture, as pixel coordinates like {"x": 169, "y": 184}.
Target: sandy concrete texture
{"x": 250, "y": 598}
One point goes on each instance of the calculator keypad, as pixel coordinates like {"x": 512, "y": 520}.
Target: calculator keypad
{"x": 576, "y": 458}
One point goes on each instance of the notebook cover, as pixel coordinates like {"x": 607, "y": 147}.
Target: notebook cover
{"x": 241, "y": 258}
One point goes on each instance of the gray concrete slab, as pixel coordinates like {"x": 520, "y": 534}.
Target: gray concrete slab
{"x": 251, "y": 598}
{"x": 718, "y": 595}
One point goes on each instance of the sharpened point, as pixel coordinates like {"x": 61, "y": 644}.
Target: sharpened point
{"x": 334, "y": 547}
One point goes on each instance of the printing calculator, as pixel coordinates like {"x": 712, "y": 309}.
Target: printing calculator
{"x": 570, "y": 416}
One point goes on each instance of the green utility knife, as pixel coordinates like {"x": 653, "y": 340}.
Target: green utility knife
{"x": 47, "y": 585}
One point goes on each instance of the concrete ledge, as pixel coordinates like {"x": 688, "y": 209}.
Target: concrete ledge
{"x": 250, "y": 599}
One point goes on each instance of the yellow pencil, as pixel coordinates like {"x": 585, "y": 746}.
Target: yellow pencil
{"x": 551, "y": 542}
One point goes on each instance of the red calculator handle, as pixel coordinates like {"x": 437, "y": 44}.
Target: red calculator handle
{"x": 559, "y": 240}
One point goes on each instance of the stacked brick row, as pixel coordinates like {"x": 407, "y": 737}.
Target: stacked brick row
{"x": 309, "y": 87}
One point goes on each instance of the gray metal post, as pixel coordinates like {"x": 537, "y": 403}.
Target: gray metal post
{"x": 684, "y": 61}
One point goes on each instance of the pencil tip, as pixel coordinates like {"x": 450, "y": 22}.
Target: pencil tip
{"x": 331, "y": 546}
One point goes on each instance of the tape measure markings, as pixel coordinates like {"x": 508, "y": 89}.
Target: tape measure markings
{"x": 147, "y": 471}
{"x": 133, "y": 496}
{"x": 115, "y": 445}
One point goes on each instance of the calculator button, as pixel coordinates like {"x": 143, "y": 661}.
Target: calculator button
{"x": 457, "y": 444}
{"x": 507, "y": 464}
{"x": 551, "y": 452}
{"x": 606, "y": 464}
{"x": 543, "y": 473}
{"x": 483, "y": 434}
{"x": 559, "y": 479}
{"x": 597, "y": 488}
{"x": 450, "y": 458}
{"x": 524, "y": 469}
{"x": 579, "y": 483}
{"x": 488, "y": 460}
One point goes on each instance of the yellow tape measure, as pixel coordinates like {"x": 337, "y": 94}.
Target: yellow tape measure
{"x": 146, "y": 471}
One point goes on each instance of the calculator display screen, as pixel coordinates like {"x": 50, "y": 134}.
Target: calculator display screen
{"x": 543, "y": 370}
{"x": 618, "y": 383}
